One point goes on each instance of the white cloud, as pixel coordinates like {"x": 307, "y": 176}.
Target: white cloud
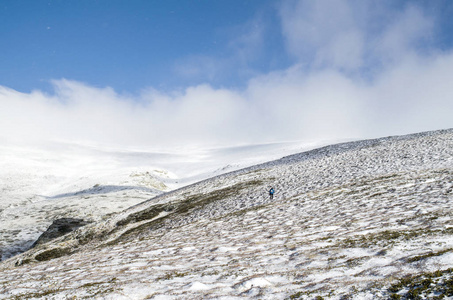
{"x": 289, "y": 105}
{"x": 410, "y": 91}
{"x": 404, "y": 33}
{"x": 325, "y": 32}
{"x": 248, "y": 42}
{"x": 414, "y": 96}
{"x": 349, "y": 35}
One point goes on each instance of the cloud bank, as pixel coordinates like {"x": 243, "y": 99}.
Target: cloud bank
{"x": 358, "y": 71}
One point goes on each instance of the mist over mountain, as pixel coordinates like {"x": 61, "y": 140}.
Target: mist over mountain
{"x": 43, "y": 183}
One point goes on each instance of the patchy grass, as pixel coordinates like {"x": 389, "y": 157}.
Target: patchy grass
{"x": 172, "y": 275}
{"x": 184, "y": 207}
{"x": 100, "y": 288}
{"x": 436, "y": 285}
{"x": 43, "y": 294}
{"x": 300, "y": 295}
{"x": 94, "y": 288}
{"x": 428, "y": 255}
{"x": 297, "y": 295}
{"x": 146, "y": 214}
{"x": 201, "y": 200}
{"x": 190, "y": 202}
{"x": 365, "y": 241}
{"x": 52, "y": 253}
{"x": 389, "y": 237}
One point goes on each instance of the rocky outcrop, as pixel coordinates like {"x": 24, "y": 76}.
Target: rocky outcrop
{"x": 59, "y": 228}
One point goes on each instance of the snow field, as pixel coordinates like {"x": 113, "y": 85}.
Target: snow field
{"x": 41, "y": 183}
{"x": 346, "y": 221}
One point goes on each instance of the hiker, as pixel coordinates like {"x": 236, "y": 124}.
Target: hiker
{"x": 271, "y": 193}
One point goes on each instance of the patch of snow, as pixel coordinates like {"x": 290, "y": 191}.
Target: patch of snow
{"x": 346, "y": 220}
{"x": 198, "y": 286}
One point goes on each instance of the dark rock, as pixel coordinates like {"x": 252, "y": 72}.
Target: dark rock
{"x": 59, "y": 228}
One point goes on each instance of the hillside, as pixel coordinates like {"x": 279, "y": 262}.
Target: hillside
{"x": 44, "y": 182}
{"x": 356, "y": 220}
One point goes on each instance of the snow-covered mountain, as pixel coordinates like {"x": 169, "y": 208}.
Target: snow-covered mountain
{"x": 41, "y": 183}
{"x": 363, "y": 220}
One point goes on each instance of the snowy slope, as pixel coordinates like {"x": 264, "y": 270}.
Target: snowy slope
{"x": 41, "y": 183}
{"x": 348, "y": 220}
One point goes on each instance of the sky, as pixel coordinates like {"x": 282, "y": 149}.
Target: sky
{"x": 166, "y": 74}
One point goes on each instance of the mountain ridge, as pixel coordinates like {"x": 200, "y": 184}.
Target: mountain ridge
{"x": 346, "y": 221}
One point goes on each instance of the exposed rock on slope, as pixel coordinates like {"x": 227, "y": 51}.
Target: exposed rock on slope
{"x": 43, "y": 182}
{"x": 59, "y": 228}
{"x": 347, "y": 220}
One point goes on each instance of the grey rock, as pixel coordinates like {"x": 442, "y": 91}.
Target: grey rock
{"x": 59, "y": 228}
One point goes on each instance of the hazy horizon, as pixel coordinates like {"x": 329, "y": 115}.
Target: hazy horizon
{"x": 224, "y": 73}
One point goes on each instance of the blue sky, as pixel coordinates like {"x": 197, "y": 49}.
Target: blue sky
{"x": 209, "y": 73}
{"x": 130, "y": 45}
